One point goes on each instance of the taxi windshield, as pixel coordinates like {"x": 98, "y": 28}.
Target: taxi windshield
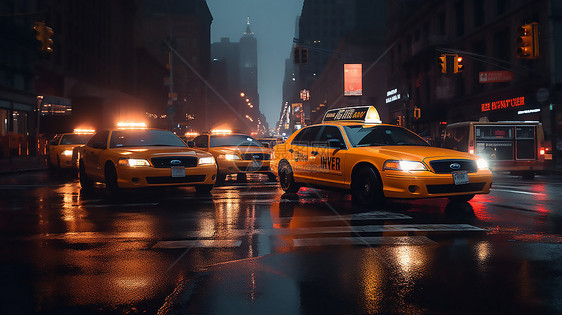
{"x": 143, "y": 138}
{"x": 361, "y": 136}
{"x": 234, "y": 140}
{"x": 75, "y": 139}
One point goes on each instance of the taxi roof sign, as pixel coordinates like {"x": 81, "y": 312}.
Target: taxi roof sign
{"x": 363, "y": 114}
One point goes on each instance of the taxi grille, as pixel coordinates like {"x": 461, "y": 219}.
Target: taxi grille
{"x": 175, "y": 180}
{"x": 255, "y": 156}
{"x": 444, "y": 166}
{"x": 254, "y": 169}
{"x": 166, "y": 162}
{"x": 452, "y": 188}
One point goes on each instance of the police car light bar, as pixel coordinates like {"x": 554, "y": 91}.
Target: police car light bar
{"x": 363, "y": 114}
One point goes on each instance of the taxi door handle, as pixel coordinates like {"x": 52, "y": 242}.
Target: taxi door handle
{"x": 314, "y": 153}
{"x": 291, "y": 151}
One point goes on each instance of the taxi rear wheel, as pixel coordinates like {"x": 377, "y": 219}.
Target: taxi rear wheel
{"x": 111, "y": 178}
{"x": 366, "y": 189}
{"x": 286, "y": 179}
{"x": 461, "y": 198}
{"x": 85, "y": 181}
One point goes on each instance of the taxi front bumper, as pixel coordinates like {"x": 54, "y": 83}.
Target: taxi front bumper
{"x": 133, "y": 177}
{"x": 413, "y": 185}
{"x": 243, "y": 166}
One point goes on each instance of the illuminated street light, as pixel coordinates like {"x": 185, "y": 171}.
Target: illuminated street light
{"x": 242, "y": 94}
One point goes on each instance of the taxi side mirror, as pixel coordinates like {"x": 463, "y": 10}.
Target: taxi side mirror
{"x": 335, "y": 143}
{"x": 265, "y": 145}
{"x": 190, "y": 143}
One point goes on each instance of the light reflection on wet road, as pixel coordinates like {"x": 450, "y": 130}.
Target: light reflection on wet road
{"x": 247, "y": 248}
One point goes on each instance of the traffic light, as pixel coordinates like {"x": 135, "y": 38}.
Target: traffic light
{"x": 457, "y": 64}
{"x": 528, "y": 40}
{"x": 400, "y": 120}
{"x": 417, "y": 112}
{"x": 44, "y": 34}
{"x": 304, "y": 55}
{"x": 443, "y": 63}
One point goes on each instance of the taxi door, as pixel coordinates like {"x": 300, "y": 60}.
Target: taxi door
{"x": 328, "y": 157}
{"x": 299, "y": 152}
{"x": 92, "y": 163}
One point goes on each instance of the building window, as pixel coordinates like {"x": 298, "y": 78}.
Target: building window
{"x": 502, "y": 6}
{"x": 459, "y": 17}
{"x": 479, "y": 14}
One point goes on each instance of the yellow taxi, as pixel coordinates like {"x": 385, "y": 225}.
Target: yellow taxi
{"x": 236, "y": 153}
{"x": 352, "y": 150}
{"x": 133, "y": 156}
{"x": 61, "y": 147}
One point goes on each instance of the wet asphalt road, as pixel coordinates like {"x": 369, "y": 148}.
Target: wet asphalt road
{"x": 248, "y": 249}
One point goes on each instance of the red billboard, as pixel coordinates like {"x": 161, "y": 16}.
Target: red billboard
{"x": 352, "y": 79}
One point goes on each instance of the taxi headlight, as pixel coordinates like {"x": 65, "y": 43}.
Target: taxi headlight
{"x": 482, "y": 164}
{"x": 404, "y": 166}
{"x": 134, "y": 162}
{"x": 67, "y": 153}
{"x": 206, "y": 160}
{"x": 230, "y": 157}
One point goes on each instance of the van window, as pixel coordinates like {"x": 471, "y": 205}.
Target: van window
{"x": 494, "y": 142}
{"x": 457, "y": 139}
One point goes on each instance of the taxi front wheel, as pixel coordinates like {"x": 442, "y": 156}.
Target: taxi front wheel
{"x": 286, "y": 179}
{"x": 203, "y": 189}
{"x": 85, "y": 182}
{"x": 366, "y": 189}
{"x": 111, "y": 178}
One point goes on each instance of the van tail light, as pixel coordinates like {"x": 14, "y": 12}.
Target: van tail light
{"x": 471, "y": 147}
{"x": 542, "y": 151}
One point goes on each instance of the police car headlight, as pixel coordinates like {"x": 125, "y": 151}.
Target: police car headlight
{"x": 482, "y": 164}
{"x": 67, "y": 153}
{"x": 229, "y": 157}
{"x": 206, "y": 160}
{"x": 134, "y": 162}
{"x": 405, "y": 166}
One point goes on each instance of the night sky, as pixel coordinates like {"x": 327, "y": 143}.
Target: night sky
{"x": 273, "y": 23}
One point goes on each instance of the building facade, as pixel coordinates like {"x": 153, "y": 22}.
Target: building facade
{"x": 495, "y": 84}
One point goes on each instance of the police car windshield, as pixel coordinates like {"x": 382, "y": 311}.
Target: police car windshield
{"x": 234, "y": 140}
{"x": 143, "y": 138}
{"x": 360, "y": 136}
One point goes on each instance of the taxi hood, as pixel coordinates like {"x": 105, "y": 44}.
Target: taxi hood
{"x": 242, "y": 149}
{"x": 158, "y": 151}
{"x": 417, "y": 153}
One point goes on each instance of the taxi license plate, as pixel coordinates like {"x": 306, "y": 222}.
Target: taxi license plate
{"x": 178, "y": 171}
{"x": 256, "y": 164}
{"x": 460, "y": 178}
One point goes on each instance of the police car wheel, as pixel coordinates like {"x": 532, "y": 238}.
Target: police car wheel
{"x": 286, "y": 179}
{"x": 365, "y": 187}
{"x": 221, "y": 178}
{"x": 461, "y": 198}
{"x": 85, "y": 182}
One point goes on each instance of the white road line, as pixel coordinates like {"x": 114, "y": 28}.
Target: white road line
{"x": 518, "y": 192}
{"x": 335, "y": 241}
{"x": 122, "y": 205}
{"x": 198, "y": 244}
{"x": 351, "y": 229}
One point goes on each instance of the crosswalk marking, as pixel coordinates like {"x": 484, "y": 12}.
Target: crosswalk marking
{"x": 387, "y": 240}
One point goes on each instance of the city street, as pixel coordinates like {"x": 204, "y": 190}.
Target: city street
{"x": 247, "y": 248}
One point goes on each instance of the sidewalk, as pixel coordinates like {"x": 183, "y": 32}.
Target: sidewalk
{"x": 22, "y": 164}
